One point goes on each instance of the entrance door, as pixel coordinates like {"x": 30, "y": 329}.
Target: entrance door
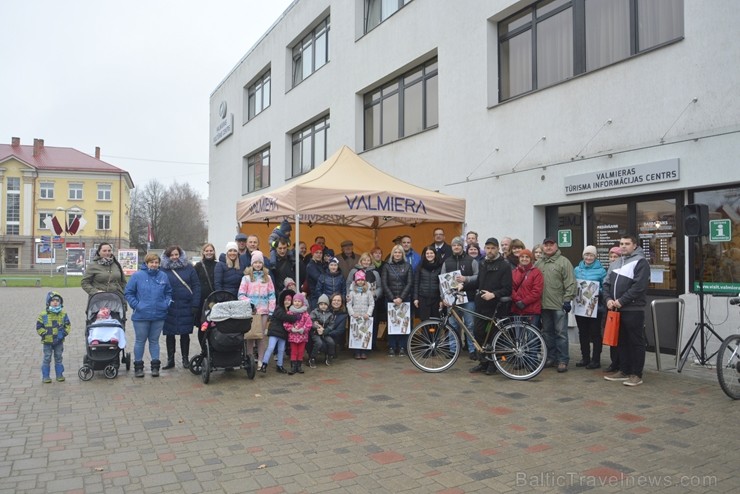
{"x": 10, "y": 257}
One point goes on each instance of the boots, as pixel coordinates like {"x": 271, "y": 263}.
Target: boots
{"x": 185, "y": 350}
{"x": 155, "y": 368}
{"x": 138, "y": 368}
{"x": 185, "y": 361}
{"x": 45, "y": 370}
{"x": 170, "y": 353}
{"x": 59, "y": 369}
{"x": 293, "y": 366}
{"x": 280, "y": 369}
{"x": 299, "y": 366}
{"x": 263, "y": 369}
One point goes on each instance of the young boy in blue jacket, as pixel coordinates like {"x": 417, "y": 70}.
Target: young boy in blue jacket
{"x": 53, "y": 326}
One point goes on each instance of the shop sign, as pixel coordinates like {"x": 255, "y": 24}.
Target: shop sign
{"x": 628, "y": 176}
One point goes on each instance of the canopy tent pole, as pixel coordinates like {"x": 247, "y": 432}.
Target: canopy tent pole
{"x": 297, "y": 251}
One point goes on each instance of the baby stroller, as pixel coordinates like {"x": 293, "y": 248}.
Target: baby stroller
{"x": 105, "y": 339}
{"x": 226, "y": 321}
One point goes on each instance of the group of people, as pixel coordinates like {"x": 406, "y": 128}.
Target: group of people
{"x": 311, "y": 314}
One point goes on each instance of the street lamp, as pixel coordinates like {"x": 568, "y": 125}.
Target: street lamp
{"x": 73, "y": 209}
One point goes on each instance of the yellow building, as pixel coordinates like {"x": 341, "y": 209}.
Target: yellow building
{"x": 40, "y": 183}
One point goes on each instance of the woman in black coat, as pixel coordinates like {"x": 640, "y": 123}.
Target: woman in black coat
{"x": 228, "y": 274}
{"x": 398, "y": 284}
{"x": 426, "y": 285}
{"x": 205, "y": 268}
{"x": 185, "y": 302}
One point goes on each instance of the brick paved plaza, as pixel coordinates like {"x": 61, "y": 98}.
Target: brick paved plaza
{"x": 377, "y": 425}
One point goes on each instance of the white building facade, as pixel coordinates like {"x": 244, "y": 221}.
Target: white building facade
{"x": 584, "y": 119}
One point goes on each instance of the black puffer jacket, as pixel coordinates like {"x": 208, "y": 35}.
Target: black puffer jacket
{"x": 279, "y": 316}
{"x": 398, "y": 280}
{"x": 493, "y": 276}
{"x": 426, "y": 281}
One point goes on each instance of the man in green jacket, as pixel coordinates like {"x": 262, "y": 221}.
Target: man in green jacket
{"x": 559, "y": 290}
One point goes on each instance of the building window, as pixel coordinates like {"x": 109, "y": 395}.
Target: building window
{"x": 75, "y": 191}
{"x": 258, "y": 170}
{"x": 309, "y": 146}
{"x": 553, "y": 40}
{"x": 104, "y": 192}
{"x": 311, "y": 53}
{"x": 103, "y": 221}
{"x": 405, "y": 106}
{"x": 721, "y": 248}
{"x": 13, "y": 208}
{"x": 42, "y": 220}
{"x": 376, "y": 11}
{"x": 46, "y": 190}
{"x": 258, "y": 96}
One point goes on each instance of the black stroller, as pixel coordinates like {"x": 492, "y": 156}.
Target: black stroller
{"x": 225, "y": 321}
{"x": 105, "y": 339}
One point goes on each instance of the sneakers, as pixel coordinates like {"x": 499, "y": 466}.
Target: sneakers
{"x": 402, "y": 352}
{"x": 633, "y": 381}
{"x": 482, "y": 367}
{"x": 60, "y": 379}
{"x": 312, "y": 363}
{"x": 594, "y": 364}
{"x": 391, "y": 353}
{"x": 562, "y": 367}
{"x": 583, "y": 363}
{"x": 327, "y": 361}
{"x": 363, "y": 356}
{"x": 617, "y": 376}
{"x": 46, "y": 380}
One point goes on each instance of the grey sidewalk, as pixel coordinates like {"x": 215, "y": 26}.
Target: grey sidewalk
{"x": 358, "y": 426}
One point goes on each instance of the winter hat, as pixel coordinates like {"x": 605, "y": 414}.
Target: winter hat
{"x": 333, "y": 260}
{"x": 526, "y": 252}
{"x": 231, "y": 246}
{"x": 615, "y": 250}
{"x": 324, "y": 299}
{"x": 360, "y": 275}
{"x": 257, "y": 256}
{"x": 54, "y": 295}
{"x": 316, "y": 248}
{"x": 590, "y": 249}
{"x": 288, "y": 282}
{"x": 301, "y": 297}
{"x": 329, "y": 253}
{"x": 457, "y": 240}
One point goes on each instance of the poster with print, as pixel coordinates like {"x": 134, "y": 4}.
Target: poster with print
{"x": 129, "y": 260}
{"x": 399, "y": 318}
{"x": 76, "y": 261}
{"x": 446, "y": 283}
{"x": 586, "y": 303}
{"x": 360, "y": 333}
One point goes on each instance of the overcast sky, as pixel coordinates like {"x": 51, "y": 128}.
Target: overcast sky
{"x": 132, "y": 77}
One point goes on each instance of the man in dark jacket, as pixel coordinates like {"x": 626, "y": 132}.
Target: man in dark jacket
{"x": 468, "y": 267}
{"x": 493, "y": 284}
{"x": 284, "y": 266}
{"x": 442, "y": 248}
{"x": 624, "y": 290}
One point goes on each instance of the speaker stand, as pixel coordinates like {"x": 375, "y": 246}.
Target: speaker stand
{"x": 701, "y": 326}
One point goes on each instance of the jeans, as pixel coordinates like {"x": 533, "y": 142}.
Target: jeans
{"x": 272, "y": 343}
{"x": 467, "y": 318}
{"x": 555, "y": 332}
{"x": 56, "y": 349}
{"x": 147, "y": 330}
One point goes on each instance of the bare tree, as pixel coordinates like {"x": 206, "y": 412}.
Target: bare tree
{"x": 175, "y": 215}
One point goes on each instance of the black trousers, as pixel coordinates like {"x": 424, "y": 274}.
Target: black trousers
{"x": 632, "y": 342}
{"x": 184, "y": 345}
{"x": 589, "y": 336}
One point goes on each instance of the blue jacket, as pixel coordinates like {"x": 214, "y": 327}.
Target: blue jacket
{"x": 328, "y": 285}
{"x": 149, "y": 294}
{"x": 594, "y": 272}
{"x": 226, "y": 278}
{"x": 181, "y": 313}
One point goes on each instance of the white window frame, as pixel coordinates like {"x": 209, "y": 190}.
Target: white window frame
{"x": 46, "y": 190}
{"x": 105, "y": 190}
{"x": 76, "y": 191}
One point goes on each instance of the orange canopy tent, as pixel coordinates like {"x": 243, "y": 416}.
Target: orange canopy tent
{"x": 348, "y": 198}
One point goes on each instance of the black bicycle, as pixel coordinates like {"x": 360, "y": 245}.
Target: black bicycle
{"x": 728, "y": 363}
{"x": 516, "y": 347}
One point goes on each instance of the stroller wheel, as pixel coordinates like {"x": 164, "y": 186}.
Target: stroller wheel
{"x": 110, "y": 371}
{"x": 196, "y": 365}
{"x": 250, "y": 367}
{"x": 127, "y": 360}
{"x": 85, "y": 373}
{"x": 206, "y": 375}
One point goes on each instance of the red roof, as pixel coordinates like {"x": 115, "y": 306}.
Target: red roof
{"x": 56, "y": 158}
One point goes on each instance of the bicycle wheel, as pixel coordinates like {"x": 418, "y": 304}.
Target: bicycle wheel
{"x": 519, "y": 350}
{"x": 433, "y": 347}
{"x": 728, "y": 366}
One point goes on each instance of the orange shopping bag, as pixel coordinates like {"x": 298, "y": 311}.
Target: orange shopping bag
{"x": 611, "y": 328}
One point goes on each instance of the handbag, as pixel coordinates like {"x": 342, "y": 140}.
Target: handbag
{"x": 256, "y": 331}
{"x": 611, "y": 328}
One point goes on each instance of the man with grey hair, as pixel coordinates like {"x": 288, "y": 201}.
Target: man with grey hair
{"x": 439, "y": 245}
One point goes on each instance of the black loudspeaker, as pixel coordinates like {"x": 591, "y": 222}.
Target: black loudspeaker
{"x": 696, "y": 220}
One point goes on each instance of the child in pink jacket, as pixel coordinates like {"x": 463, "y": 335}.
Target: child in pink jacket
{"x": 298, "y": 333}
